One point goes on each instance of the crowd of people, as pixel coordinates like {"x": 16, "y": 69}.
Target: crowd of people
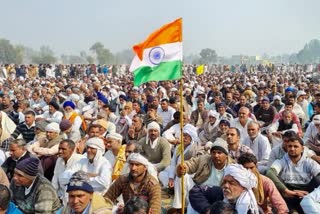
{"x": 81, "y": 139}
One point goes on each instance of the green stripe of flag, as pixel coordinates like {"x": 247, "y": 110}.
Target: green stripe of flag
{"x": 170, "y": 70}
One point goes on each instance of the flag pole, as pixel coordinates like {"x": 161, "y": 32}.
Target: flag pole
{"x": 182, "y": 142}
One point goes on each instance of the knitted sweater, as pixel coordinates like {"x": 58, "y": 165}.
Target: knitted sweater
{"x": 42, "y": 197}
{"x": 160, "y": 156}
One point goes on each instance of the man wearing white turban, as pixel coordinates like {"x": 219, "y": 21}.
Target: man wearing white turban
{"x": 168, "y": 177}
{"x": 210, "y": 128}
{"x": 155, "y": 148}
{"x": 138, "y": 183}
{"x": 237, "y": 187}
{"x": 97, "y": 167}
{"x": 115, "y": 154}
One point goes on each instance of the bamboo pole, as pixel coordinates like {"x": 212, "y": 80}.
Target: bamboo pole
{"x": 182, "y": 145}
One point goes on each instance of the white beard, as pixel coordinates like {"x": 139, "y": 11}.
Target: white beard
{"x": 68, "y": 115}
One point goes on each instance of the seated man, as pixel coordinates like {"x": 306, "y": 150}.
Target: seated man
{"x": 136, "y": 148}
{"x": 115, "y": 154}
{"x": 237, "y": 185}
{"x": 199, "y": 116}
{"x": 136, "y": 130}
{"x": 266, "y": 192}
{"x": 6, "y": 206}
{"x": 241, "y": 123}
{"x": 295, "y": 174}
{"x": 206, "y": 169}
{"x": 82, "y": 198}
{"x": 137, "y": 183}
{"x": 311, "y": 202}
{"x": 95, "y": 165}
{"x": 67, "y": 158}
{"x": 173, "y": 133}
{"x": 288, "y": 108}
{"x": 18, "y": 152}
{"x": 223, "y": 128}
{"x": 280, "y": 150}
{"x": 168, "y": 176}
{"x": 313, "y": 142}
{"x": 47, "y": 151}
{"x": 259, "y": 144}
{"x": 210, "y": 128}
{"x": 265, "y": 113}
{"x": 32, "y": 192}
{"x": 136, "y": 206}
{"x": 155, "y": 148}
{"x": 68, "y": 132}
{"x": 106, "y": 128}
{"x": 281, "y": 126}
{"x": 234, "y": 144}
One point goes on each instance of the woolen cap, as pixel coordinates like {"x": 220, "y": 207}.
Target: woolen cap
{"x": 65, "y": 125}
{"x": 220, "y": 145}
{"x": 28, "y": 167}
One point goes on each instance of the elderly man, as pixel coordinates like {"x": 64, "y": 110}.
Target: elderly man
{"x": 237, "y": 185}
{"x": 241, "y": 123}
{"x": 83, "y": 199}
{"x": 266, "y": 191}
{"x": 155, "y": 148}
{"x": 18, "y": 152}
{"x": 70, "y": 114}
{"x": 116, "y": 153}
{"x": 210, "y": 128}
{"x": 50, "y": 146}
{"x": 48, "y": 149}
{"x": 295, "y": 174}
{"x": 32, "y": 192}
{"x": 281, "y": 126}
{"x": 95, "y": 165}
{"x": 168, "y": 177}
{"x": 67, "y": 158}
{"x": 138, "y": 183}
{"x": 288, "y": 108}
{"x": 259, "y": 144}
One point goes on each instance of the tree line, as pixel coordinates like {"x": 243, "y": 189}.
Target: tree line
{"x": 98, "y": 53}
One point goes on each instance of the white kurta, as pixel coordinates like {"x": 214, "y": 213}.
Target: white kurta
{"x": 100, "y": 166}
{"x": 60, "y": 167}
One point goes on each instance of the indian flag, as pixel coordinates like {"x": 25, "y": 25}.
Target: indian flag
{"x": 159, "y": 57}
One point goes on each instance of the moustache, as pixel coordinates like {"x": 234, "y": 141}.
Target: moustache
{"x": 226, "y": 191}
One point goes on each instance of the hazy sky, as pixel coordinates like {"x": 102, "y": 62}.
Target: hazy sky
{"x": 229, "y": 26}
